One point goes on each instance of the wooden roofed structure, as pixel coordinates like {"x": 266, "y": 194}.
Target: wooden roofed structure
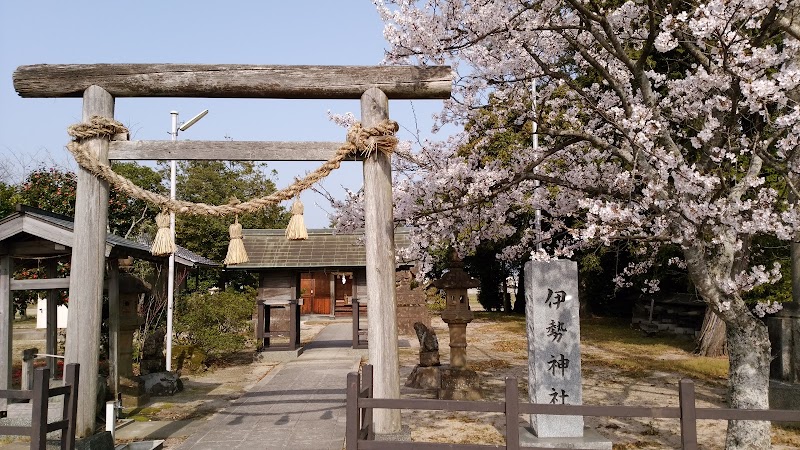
{"x": 32, "y": 233}
{"x": 327, "y": 270}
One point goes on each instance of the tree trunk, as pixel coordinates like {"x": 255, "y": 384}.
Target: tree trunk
{"x": 519, "y": 303}
{"x": 712, "y": 336}
{"x": 747, "y": 343}
{"x": 749, "y": 352}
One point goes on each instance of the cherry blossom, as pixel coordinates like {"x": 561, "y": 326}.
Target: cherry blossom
{"x": 659, "y": 122}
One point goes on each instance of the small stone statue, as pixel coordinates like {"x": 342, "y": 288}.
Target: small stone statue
{"x": 428, "y": 345}
{"x": 153, "y": 353}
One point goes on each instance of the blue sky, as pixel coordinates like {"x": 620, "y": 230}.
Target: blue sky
{"x": 33, "y": 131}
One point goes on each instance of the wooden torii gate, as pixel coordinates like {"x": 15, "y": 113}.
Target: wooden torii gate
{"x": 99, "y": 84}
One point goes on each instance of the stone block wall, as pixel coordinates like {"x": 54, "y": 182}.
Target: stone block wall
{"x": 411, "y": 306}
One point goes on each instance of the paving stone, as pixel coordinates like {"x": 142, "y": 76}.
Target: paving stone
{"x": 301, "y": 406}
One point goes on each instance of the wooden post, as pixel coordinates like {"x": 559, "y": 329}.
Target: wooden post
{"x": 113, "y": 324}
{"x": 26, "y": 381}
{"x": 294, "y": 330}
{"x": 512, "y": 414}
{"x": 6, "y": 327}
{"x": 260, "y": 321}
{"x": 41, "y": 386}
{"x": 88, "y": 267}
{"x": 352, "y": 425}
{"x": 332, "y": 280}
{"x": 70, "y": 408}
{"x": 51, "y": 331}
{"x": 688, "y": 415}
{"x": 379, "y": 234}
{"x": 354, "y": 305}
{"x": 367, "y": 414}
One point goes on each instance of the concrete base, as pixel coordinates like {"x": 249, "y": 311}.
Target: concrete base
{"x": 784, "y": 395}
{"x": 280, "y": 355}
{"x": 404, "y": 435}
{"x": 157, "y": 429}
{"x": 143, "y": 445}
{"x": 591, "y": 440}
{"x": 99, "y": 441}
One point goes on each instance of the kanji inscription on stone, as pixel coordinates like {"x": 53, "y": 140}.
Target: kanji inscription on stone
{"x": 554, "y": 363}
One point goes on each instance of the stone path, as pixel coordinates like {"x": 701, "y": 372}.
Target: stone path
{"x": 301, "y": 405}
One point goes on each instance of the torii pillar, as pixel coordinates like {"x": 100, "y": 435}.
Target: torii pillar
{"x": 87, "y": 270}
{"x": 381, "y": 296}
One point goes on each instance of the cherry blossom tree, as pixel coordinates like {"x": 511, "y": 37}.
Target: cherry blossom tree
{"x": 659, "y": 122}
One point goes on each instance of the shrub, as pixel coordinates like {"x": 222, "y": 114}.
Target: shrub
{"x": 216, "y": 323}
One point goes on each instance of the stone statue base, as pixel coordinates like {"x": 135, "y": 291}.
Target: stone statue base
{"x": 450, "y": 383}
{"x": 133, "y": 392}
{"x": 460, "y": 384}
{"x": 425, "y": 377}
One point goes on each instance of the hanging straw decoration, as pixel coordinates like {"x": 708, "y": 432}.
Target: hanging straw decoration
{"x": 236, "y": 251}
{"x": 163, "y": 244}
{"x": 296, "y": 231}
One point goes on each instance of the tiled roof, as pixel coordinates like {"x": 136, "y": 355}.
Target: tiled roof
{"x": 271, "y": 249}
{"x": 198, "y": 260}
{"x": 183, "y": 255}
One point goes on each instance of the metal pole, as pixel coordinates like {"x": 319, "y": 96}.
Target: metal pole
{"x": 171, "y": 265}
{"x": 536, "y": 183}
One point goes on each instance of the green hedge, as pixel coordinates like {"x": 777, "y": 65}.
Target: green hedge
{"x": 216, "y": 323}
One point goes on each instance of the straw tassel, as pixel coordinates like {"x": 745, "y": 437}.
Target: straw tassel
{"x": 163, "y": 244}
{"x": 236, "y": 251}
{"x": 296, "y": 230}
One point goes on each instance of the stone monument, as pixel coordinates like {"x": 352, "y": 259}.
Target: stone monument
{"x": 152, "y": 360}
{"x": 554, "y": 356}
{"x": 784, "y": 333}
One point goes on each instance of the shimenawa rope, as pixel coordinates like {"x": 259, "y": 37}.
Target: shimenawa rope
{"x": 359, "y": 139}
{"x": 379, "y": 138}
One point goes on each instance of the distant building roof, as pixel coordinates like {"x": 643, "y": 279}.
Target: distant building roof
{"x": 270, "y": 249}
{"x": 191, "y": 258}
{"x": 59, "y": 229}
{"x": 183, "y": 255}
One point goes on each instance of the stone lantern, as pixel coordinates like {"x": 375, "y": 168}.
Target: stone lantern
{"x": 457, "y": 382}
{"x": 456, "y": 312}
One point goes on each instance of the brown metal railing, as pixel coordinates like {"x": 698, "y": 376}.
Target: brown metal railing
{"x": 360, "y": 403}
{"x": 39, "y": 397}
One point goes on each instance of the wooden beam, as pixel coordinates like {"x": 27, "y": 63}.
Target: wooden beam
{"x": 379, "y": 236}
{"x": 47, "y": 231}
{"x": 233, "y": 81}
{"x": 88, "y": 267}
{"x": 6, "y": 327}
{"x": 11, "y": 228}
{"x": 39, "y": 247}
{"x": 228, "y": 150}
{"x": 113, "y": 324}
{"x": 51, "y": 326}
{"x": 40, "y": 284}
